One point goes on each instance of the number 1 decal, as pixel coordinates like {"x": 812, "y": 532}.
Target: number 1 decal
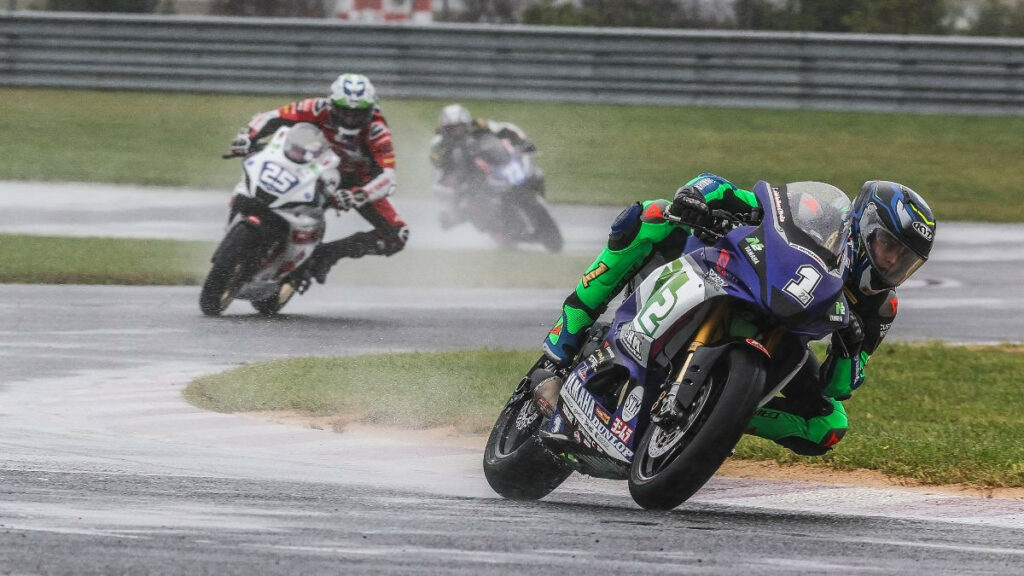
{"x": 802, "y": 289}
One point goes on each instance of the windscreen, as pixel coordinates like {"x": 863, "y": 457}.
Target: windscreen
{"x": 492, "y": 150}
{"x": 822, "y": 212}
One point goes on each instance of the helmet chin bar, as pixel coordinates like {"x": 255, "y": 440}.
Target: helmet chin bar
{"x": 871, "y": 283}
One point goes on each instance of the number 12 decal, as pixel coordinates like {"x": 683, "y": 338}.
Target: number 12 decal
{"x": 803, "y": 287}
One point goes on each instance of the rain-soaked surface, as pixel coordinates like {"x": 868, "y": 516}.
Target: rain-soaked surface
{"x": 105, "y": 469}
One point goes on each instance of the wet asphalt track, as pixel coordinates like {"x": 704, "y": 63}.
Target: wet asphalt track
{"x": 105, "y": 470}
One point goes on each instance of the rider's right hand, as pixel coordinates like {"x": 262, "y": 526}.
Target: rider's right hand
{"x": 242, "y": 144}
{"x": 340, "y": 199}
{"x": 689, "y": 206}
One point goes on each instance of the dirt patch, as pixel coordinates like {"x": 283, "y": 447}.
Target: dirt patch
{"x": 767, "y": 469}
{"x": 771, "y": 470}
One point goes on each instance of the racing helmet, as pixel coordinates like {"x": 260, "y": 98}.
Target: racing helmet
{"x": 304, "y": 143}
{"x": 454, "y": 121}
{"x": 895, "y": 229}
{"x": 353, "y": 100}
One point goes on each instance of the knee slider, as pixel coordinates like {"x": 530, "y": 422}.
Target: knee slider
{"x": 805, "y": 447}
{"x": 625, "y": 227}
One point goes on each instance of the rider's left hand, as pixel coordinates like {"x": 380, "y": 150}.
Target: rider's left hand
{"x": 847, "y": 340}
{"x": 689, "y": 206}
{"x": 242, "y": 144}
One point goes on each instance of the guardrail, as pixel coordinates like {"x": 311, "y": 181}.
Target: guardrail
{"x": 593, "y": 65}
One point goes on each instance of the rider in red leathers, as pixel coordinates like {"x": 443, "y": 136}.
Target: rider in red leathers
{"x": 352, "y": 122}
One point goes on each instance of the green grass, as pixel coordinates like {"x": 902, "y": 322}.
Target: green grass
{"x": 967, "y": 167}
{"x": 60, "y": 260}
{"x": 66, "y": 260}
{"x": 937, "y": 414}
{"x": 416, "y": 390}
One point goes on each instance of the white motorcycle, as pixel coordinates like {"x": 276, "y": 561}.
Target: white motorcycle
{"x": 276, "y": 222}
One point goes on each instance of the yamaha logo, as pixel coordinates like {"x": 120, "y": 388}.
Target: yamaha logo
{"x": 923, "y": 230}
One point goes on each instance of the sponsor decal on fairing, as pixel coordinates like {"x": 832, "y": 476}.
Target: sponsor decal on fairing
{"x": 780, "y": 214}
{"x": 621, "y": 430}
{"x": 631, "y": 406}
{"x": 631, "y": 341}
{"x": 581, "y": 403}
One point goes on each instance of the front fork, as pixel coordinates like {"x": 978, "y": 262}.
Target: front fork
{"x": 683, "y": 389}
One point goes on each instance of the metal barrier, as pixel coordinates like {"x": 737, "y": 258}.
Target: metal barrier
{"x": 672, "y": 67}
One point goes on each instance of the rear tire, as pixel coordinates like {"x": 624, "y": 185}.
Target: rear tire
{"x": 516, "y": 464}
{"x": 228, "y": 273}
{"x": 274, "y": 304}
{"x": 545, "y": 229}
{"x": 685, "y": 457}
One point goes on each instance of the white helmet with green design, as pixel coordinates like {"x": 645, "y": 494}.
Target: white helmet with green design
{"x": 354, "y": 98}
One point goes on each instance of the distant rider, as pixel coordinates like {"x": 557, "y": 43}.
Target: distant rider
{"x": 352, "y": 122}
{"x": 452, "y": 152}
{"x": 893, "y": 229}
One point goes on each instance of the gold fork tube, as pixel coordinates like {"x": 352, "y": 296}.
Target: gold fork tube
{"x": 708, "y": 330}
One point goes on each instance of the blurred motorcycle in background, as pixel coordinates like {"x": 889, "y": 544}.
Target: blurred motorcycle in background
{"x": 502, "y": 195}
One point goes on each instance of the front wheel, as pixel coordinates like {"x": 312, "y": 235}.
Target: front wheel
{"x": 516, "y": 464}
{"x": 673, "y": 462}
{"x": 228, "y": 273}
{"x": 545, "y": 230}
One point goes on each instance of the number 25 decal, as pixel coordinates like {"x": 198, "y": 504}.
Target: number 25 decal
{"x": 803, "y": 287}
{"x": 276, "y": 179}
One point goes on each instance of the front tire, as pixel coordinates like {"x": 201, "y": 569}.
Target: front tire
{"x": 229, "y": 270}
{"x": 516, "y": 464}
{"x": 545, "y": 229}
{"x": 671, "y": 464}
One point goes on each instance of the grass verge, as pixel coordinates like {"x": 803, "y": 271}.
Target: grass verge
{"x": 937, "y": 414}
{"x": 62, "y": 260}
{"x": 593, "y": 154}
{"x": 69, "y": 260}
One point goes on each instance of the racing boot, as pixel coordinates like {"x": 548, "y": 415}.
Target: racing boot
{"x": 808, "y": 426}
{"x": 326, "y": 255}
{"x": 565, "y": 337}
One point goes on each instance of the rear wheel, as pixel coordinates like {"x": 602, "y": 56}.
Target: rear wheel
{"x": 274, "y": 304}
{"x": 545, "y": 229}
{"x": 673, "y": 462}
{"x": 230, "y": 267}
{"x": 516, "y": 464}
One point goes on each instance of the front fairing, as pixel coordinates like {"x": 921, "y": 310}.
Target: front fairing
{"x": 275, "y": 180}
{"x": 799, "y": 288}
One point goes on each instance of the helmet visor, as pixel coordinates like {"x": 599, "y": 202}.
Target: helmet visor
{"x": 303, "y": 144}
{"x": 892, "y": 260}
{"x": 298, "y": 153}
{"x": 455, "y": 131}
{"x": 350, "y": 118}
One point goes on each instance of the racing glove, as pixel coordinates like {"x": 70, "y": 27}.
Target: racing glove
{"x": 689, "y": 206}
{"x": 242, "y": 144}
{"x": 843, "y": 370}
{"x": 847, "y": 341}
{"x": 346, "y": 200}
